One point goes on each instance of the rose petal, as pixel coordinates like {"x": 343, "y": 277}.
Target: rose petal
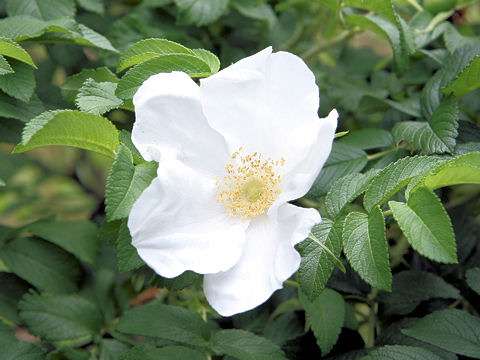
{"x": 177, "y": 224}
{"x": 268, "y": 259}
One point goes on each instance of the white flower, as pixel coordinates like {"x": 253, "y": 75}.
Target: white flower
{"x": 232, "y": 152}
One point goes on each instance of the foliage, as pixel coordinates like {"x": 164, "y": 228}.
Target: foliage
{"x": 399, "y": 194}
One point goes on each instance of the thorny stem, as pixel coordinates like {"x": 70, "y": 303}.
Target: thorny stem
{"x": 339, "y": 263}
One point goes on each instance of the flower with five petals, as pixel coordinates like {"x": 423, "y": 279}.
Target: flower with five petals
{"x": 232, "y": 153}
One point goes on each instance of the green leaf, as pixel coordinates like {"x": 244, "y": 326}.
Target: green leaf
{"x": 256, "y": 10}
{"x": 68, "y": 319}
{"x": 171, "y": 323}
{"x": 209, "y": 58}
{"x": 125, "y": 183}
{"x": 73, "y": 84}
{"x": 11, "y": 291}
{"x": 70, "y": 128}
{"x": 133, "y": 78}
{"x": 381, "y": 7}
{"x": 366, "y": 248}
{"x": 96, "y": 6}
{"x": 19, "y": 84}
{"x": 6, "y": 335}
{"x": 12, "y": 49}
{"x": 147, "y": 49}
{"x": 112, "y": 349}
{"x": 452, "y": 330}
{"x": 468, "y": 80}
{"x": 400, "y": 352}
{"x": 473, "y": 279}
{"x": 42, "y": 9}
{"x": 435, "y": 136}
{"x": 21, "y": 351}
{"x": 344, "y": 159}
{"x": 244, "y": 345}
{"x": 426, "y": 225}
{"x": 42, "y": 264}
{"x": 326, "y": 315}
{"x": 317, "y": 265}
{"x": 97, "y": 97}
{"x": 200, "y": 12}
{"x": 15, "y": 109}
{"x": 127, "y": 256}
{"x": 77, "y": 237}
{"x": 366, "y": 139}
{"x": 345, "y": 190}
{"x": 394, "y": 177}
{"x": 146, "y": 352}
{"x": 412, "y": 287}
{"x": 5, "y": 67}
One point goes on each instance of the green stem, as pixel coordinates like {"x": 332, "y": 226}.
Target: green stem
{"x": 387, "y": 212}
{"x": 380, "y": 154}
{"x": 322, "y": 46}
{"x": 372, "y": 319}
{"x": 415, "y": 4}
{"x": 322, "y": 245}
{"x": 208, "y": 355}
{"x": 291, "y": 283}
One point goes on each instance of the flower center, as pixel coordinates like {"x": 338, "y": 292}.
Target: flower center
{"x": 250, "y": 185}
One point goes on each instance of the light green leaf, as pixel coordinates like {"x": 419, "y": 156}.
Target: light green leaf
{"x": 127, "y": 256}
{"x": 400, "y": 352}
{"x": 77, "y": 237}
{"x": 70, "y": 128}
{"x": 96, "y": 6}
{"x": 435, "y": 136}
{"x": 171, "y": 323}
{"x": 244, "y": 345}
{"x": 125, "y": 183}
{"x": 473, "y": 279}
{"x": 209, "y": 58}
{"x": 19, "y": 84}
{"x": 345, "y": 190}
{"x": 366, "y": 248}
{"x": 15, "y": 109}
{"x": 452, "y": 330}
{"x": 5, "y": 67}
{"x": 42, "y": 264}
{"x": 11, "y": 49}
{"x": 146, "y": 352}
{"x": 73, "y": 84}
{"x": 381, "y": 7}
{"x": 394, "y": 177}
{"x": 317, "y": 265}
{"x": 97, "y": 97}
{"x": 21, "y": 351}
{"x": 147, "y": 49}
{"x": 326, "y": 316}
{"x": 344, "y": 159}
{"x": 190, "y": 64}
{"x": 68, "y": 319}
{"x": 366, "y": 139}
{"x": 42, "y": 9}
{"x": 468, "y": 80}
{"x": 200, "y": 12}
{"x": 426, "y": 225}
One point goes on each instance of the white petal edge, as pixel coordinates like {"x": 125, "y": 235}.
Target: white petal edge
{"x": 177, "y": 225}
{"x": 269, "y": 258}
{"x": 169, "y": 118}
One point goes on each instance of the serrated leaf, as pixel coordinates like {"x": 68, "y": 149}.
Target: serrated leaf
{"x": 473, "y": 279}
{"x": 452, "y": 330}
{"x": 400, "y": 352}
{"x": 5, "y": 67}
{"x": 147, "y": 49}
{"x": 126, "y": 140}
{"x": 244, "y": 345}
{"x": 77, "y": 237}
{"x": 464, "y": 169}
{"x": 146, "y": 352}
{"x": 70, "y": 128}
{"x": 97, "y": 97}
{"x": 171, "y": 323}
{"x": 19, "y": 84}
{"x": 437, "y": 135}
{"x": 70, "y": 319}
{"x": 71, "y": 87}
{"x": 127, "y": 255}
{"x": 411, "y": 287}
{"x": 426, "y": 225}
{"x": 366, "y": 248}
{"x": 371, "y": 138}
{"x": 42, "y": 264}
{"x": 42, "y": 9}
{"x": 345, "y": 190}
{"x": 200, "y": 12}
{"x": 11, "y": 49}
{"x": 209, "y": 58}
{"x": 22, "y": 351}
{"x": 468, "y": 80}
{"x": 344, "y": 159}
{"x": 326, "y": 315}
{"x": 394, "y": 177}
{"x": 317, "y": 265}
{"x": 133, "y": 78}
{"x": 125, "y": 183}
{"x": 15, "y": 109}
